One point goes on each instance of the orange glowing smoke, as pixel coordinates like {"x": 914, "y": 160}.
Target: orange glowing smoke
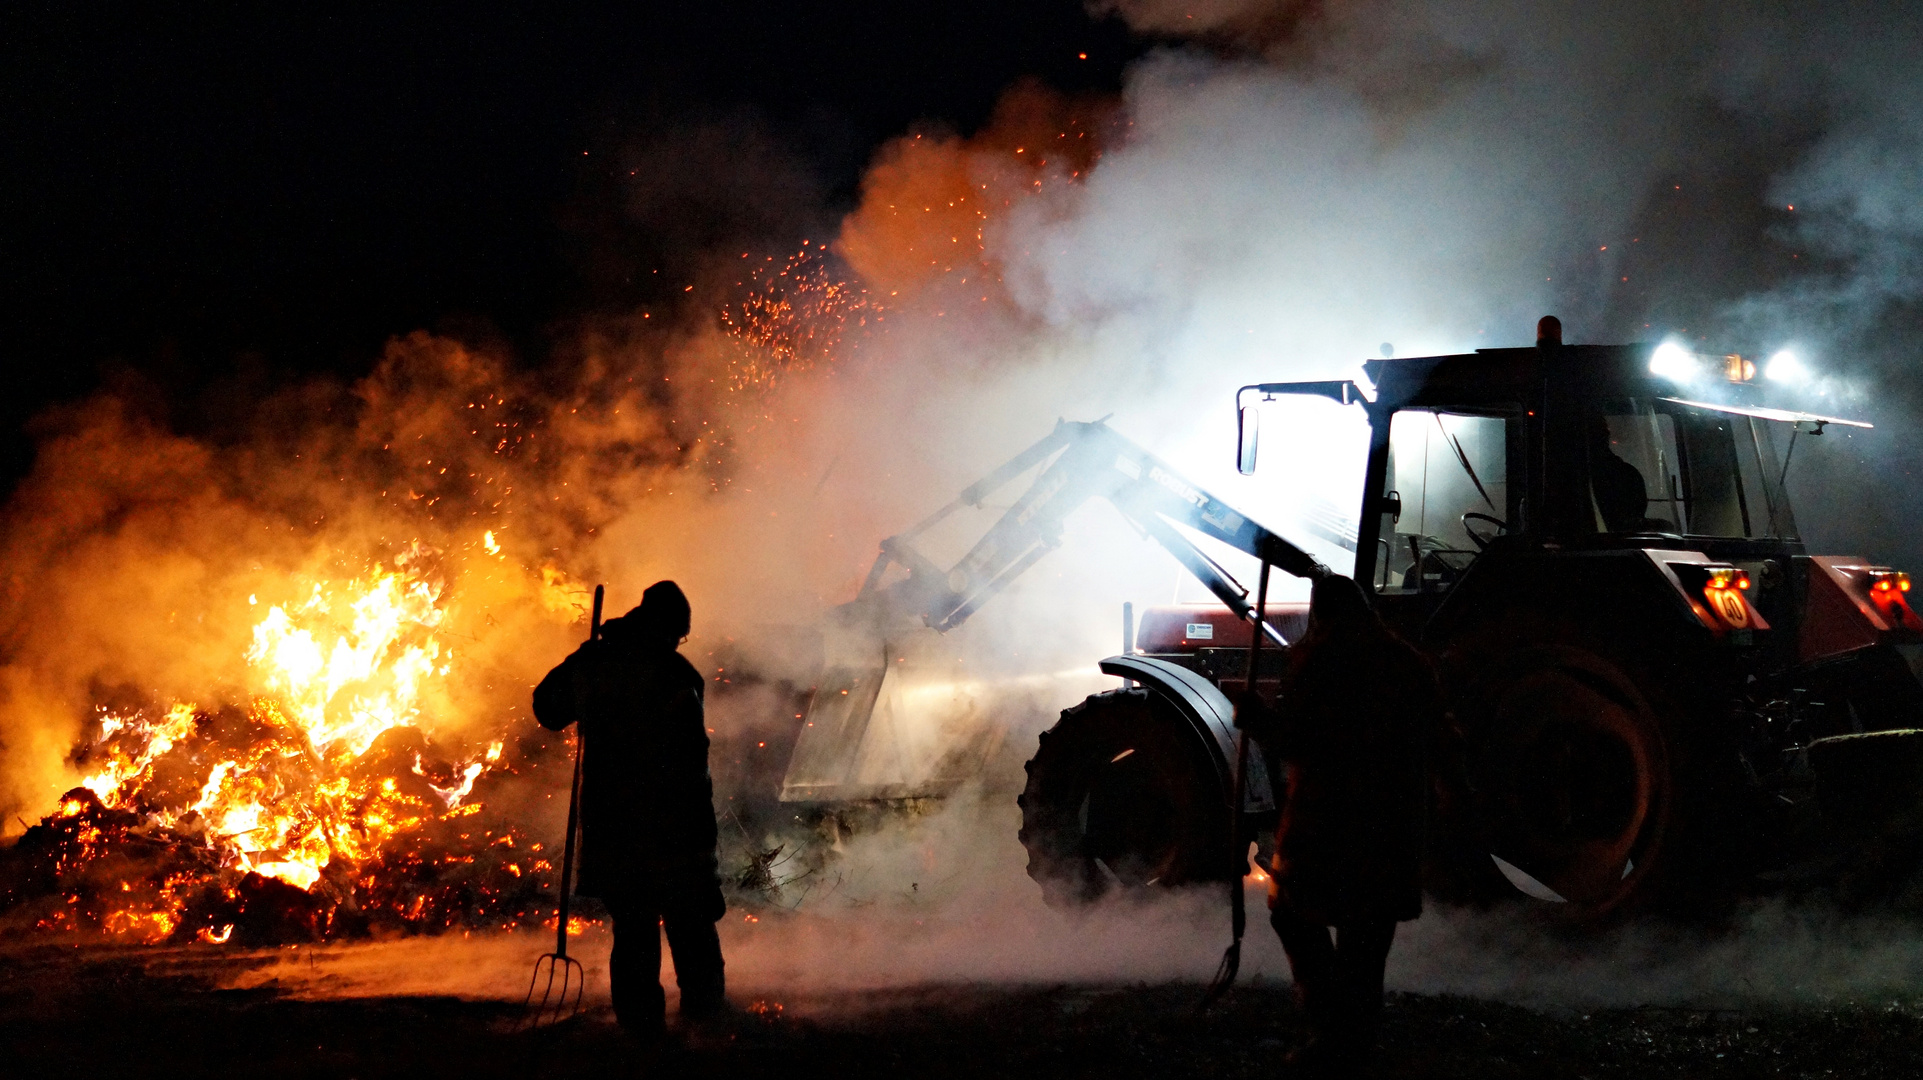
{"x": 930, "y": 200}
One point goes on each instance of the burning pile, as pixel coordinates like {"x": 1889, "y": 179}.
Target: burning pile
{"x": 362, "y": 760}
{"x": 322, "y": 806}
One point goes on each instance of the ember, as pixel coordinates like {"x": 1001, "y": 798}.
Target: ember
{"x": 792, "y": 317}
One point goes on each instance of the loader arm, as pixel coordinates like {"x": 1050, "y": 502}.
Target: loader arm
{"x": 1090, "y": 460}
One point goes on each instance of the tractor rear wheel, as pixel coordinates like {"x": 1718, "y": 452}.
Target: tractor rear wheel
{"x": 1574, "y": 769}
{"x": 1119, "y": 797}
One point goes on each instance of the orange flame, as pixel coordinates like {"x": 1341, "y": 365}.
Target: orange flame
{"x": 336, "y": 670}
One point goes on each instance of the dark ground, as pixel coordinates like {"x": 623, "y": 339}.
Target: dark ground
{"x": 68, "y": 1011}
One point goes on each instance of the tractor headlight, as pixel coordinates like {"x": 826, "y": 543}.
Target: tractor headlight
{"x": 1672, "y": 361}
{"x": 1785, "y": 367}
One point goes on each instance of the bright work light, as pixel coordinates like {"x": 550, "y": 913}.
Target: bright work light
{"x": 1785, "y": 367}
{"x": 1672, "y": 361}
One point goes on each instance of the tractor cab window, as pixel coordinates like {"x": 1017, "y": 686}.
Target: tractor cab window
{"x": 1450, "y": 474}
{"x": 1634, "y": 474}
{"x": 1668, "y": 468}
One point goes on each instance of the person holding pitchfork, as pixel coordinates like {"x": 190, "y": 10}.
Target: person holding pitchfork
{"x": 647, "y": 806}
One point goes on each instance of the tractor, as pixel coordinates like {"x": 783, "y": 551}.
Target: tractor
{"x": 1658, "y": 699}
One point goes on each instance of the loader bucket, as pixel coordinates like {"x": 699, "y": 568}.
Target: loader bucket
{"x": 893, "y": 716}
{"x": 834, "y": 726}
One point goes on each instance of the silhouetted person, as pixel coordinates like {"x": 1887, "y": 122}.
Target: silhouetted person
{"x": 647, "y": 805}
{"x": 1622, "y": 495}
{"x": 1356, "y": 711}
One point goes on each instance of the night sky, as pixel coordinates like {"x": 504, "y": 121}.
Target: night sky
{"x": 215, "y": 199}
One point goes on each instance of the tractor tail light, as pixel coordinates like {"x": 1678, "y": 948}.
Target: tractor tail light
{"x": 1888, "y": 582}
{"x": 1723, "y": 588}
{"x": 1727, "y": 577}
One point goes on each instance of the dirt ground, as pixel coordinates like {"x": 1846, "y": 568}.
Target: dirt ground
{"x": 69, "y": 1010}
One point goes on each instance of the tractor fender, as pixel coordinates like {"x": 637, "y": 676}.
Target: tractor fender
{"x": 1210, "y": 717}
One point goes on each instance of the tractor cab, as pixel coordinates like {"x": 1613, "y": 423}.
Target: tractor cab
{"x": 1563, "y": 449}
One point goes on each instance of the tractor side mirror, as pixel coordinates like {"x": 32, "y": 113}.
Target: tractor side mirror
{"x": 1248, "y": 425}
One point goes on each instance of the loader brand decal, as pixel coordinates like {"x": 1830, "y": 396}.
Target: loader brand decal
{"x": 1200, "y": 631}
{"x": 1212, "y": 512}
{"x": 1178, "y": 486}
{"x": 1128, "y": 468}
{"x": 1729, "y": 604}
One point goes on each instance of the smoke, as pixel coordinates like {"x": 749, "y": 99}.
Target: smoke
{"x": 1772, "y": 956}
{"x": 1314, "y": 178}
{"x": 1427, "y": 169}
{"x": 1856, "y": 185}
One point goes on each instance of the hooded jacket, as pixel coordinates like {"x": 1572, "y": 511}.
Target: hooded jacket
{"x": 647, "y": 801}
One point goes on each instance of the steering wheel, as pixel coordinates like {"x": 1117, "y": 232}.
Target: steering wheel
{"x": 1480, "y": 542}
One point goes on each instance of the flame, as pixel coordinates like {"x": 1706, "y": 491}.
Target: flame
{"x": 122, "y": 767}
{"x": 576, "y": 924}
{"x": 344, "y": 694}
{"x": 336, "y": 669}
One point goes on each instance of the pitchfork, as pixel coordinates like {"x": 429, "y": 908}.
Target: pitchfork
{"x": 559, "y": 966}
{"x": 1238, "y": 840}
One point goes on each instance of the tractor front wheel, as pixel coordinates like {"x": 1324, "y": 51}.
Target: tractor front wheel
{"x": 1120, "y": 796}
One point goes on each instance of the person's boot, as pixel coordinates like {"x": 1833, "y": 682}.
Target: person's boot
{"x": 1325, "y": 1051}
{"x": 644, "y": 1029}
{"x": 705, "y": 1000}
{"x": 1325, "y": 1054}
{"x": 642, "y": 1017}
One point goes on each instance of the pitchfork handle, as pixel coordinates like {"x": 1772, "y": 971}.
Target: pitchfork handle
{"x": 574, "y": 805}
{"x": 1239, "y": 841}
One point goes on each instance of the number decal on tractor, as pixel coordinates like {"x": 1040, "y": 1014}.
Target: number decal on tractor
{"x": 1729, "y": 604}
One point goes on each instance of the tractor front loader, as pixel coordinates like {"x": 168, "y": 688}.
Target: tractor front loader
{"x": 872, "y": 729}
